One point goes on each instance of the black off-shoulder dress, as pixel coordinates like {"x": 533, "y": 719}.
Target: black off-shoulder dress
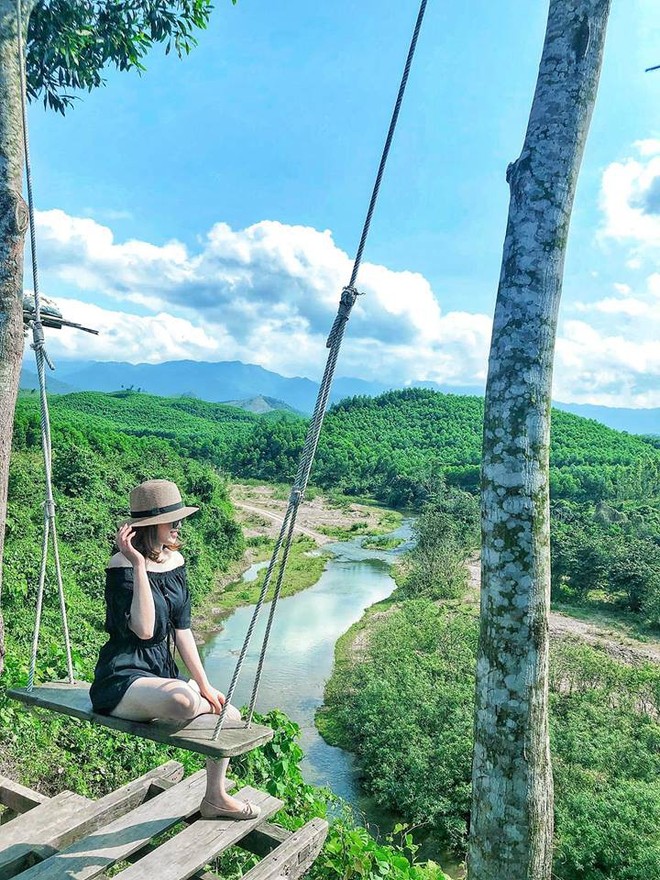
{"x": 125, "y": 657}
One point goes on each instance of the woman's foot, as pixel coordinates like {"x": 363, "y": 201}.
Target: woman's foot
{"x": 229, "y": 808}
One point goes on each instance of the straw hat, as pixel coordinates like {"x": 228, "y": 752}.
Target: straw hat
{"x": 157, "y": 501}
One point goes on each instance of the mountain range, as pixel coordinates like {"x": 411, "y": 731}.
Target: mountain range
{"x": 241, "y": 384}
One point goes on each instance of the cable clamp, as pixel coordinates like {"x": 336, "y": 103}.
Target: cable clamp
{"x": 348, "y": 296}
{"x": 296, "y": 496}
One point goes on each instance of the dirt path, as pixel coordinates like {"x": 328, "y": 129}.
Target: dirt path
{"x": 618, "y": 645}
{"x": 260, "y": 510}
{"x": 279, "y": 519}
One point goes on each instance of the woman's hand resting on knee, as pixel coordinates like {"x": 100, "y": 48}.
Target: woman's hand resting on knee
{"x": 215, "y": 697}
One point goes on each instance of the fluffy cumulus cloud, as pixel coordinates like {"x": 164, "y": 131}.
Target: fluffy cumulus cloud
{"x": 266, "y": 294}
{"x": 608, "y": 350}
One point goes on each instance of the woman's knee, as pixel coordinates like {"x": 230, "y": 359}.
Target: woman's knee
{"x": 183, "y": 703}
{"x": 232, "y": 713}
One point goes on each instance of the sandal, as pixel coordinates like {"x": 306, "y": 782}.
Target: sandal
{"x": 209, "y": 810}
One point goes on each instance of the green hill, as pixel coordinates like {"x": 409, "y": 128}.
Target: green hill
{"x": 393, "y": 446}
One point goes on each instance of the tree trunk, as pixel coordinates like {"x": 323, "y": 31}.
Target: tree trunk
{"x": 13, "y": 224}
{"x": 512, "y": 806}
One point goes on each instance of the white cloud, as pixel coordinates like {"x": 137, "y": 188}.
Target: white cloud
{"x": 268, "y": 295}
{"x": 630, "y": 198}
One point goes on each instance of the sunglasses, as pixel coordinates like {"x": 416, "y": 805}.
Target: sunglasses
{"x": 176, "y": 524}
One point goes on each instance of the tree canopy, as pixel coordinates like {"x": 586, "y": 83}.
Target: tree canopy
{"x": 71, "y": 42}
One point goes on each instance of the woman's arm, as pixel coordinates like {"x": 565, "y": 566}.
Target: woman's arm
{"x": 142, "y": 619}
{"x": 185, "y": 643}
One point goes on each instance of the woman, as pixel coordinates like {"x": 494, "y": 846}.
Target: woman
{"x": 147, "y": 616}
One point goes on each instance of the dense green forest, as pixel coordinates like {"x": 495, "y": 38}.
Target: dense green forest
{"x": 393, "y": 447}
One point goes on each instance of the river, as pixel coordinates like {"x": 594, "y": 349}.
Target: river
{"x": 301, "y": 649}
{"x": 301, "y": 653}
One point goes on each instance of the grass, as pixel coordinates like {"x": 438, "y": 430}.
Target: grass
{"x": 382, "y": 542}
{"x": 303, "y": 571}
{"x": 389, "y": 521}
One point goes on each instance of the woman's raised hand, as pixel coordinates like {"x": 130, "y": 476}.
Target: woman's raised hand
{"x": 124, "y": 540}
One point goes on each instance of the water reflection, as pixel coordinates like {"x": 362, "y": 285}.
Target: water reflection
{"x": 301, "y": 649}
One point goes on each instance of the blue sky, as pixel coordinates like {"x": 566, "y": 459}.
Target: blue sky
{"x": 209, "y": 208}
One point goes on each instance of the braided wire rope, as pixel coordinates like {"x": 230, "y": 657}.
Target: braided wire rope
{"x": 39, "y": 346}
{"x": 347, "y": 301}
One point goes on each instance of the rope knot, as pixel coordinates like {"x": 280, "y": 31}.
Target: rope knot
{"x": 39, "y": 342}
{"x": 348, "y": 296}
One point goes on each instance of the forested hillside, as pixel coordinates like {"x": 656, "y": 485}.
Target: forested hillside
{"x": 402, "y": 691}
{"x": 393, "y": 447}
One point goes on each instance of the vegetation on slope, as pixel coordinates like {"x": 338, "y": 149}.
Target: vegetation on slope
{"x": 402, "y": 694}
{"x": 393, "y": 447}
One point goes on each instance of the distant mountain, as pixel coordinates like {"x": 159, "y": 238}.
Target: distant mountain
{"x": 30, "y": 382}
{"x": 235, "y": 381}
{"x": 634, "y": 421}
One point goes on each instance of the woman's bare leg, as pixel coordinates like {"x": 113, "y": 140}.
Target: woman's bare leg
{"x": 171, "y": 699}
{"x": 167, "y": 699}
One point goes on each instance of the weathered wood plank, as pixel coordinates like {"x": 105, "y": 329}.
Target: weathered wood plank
{"x": 196, "y": 735}
{"x": 264, "y": 839}
{"x": 183, "y": 855}
{"x": 38, "y": 832}
{"x": 295, "y": 856}
{"x": 19, "y": 798}
{"x": 131, "y": 832}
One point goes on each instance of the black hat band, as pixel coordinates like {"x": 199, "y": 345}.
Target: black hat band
{"x": 156, "y": 511}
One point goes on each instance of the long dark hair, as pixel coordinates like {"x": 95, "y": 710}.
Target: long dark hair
{"x": 146, "y": 542}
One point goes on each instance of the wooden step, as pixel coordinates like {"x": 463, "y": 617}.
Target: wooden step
{"x": 131, "y": 832}
{"x": 184, "y": 854}
{"x": 60, "y": 820}
{"x": 295, "y": 856}
{"x": 19, "y": 798}
{"x": 195, "y": 736}
{"x": 37, "y": 833}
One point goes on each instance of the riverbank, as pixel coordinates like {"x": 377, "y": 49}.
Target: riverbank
{"x": 260, "y": 509}
{"x": 401, "y": 695}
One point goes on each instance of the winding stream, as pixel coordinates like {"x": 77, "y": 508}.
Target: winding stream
{"x": 301, "y": 649}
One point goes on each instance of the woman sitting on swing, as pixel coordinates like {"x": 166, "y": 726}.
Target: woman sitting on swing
{"x": 147, "y": 617}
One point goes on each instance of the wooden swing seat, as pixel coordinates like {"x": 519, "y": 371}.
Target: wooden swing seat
{"x": 195, "y": 736}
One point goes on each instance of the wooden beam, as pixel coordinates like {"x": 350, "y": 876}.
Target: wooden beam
{"x": 117, "y": 841}
{"x": 294, "y": 857}
{"x": 187, "y": 852}
{"x": 39, "y": 833}
{"x": 19, "y": 798}
{"x": 264, "y": 839}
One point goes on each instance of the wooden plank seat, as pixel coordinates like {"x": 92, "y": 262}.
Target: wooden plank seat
{"x": 195, "y": 736}
{"x": 56, "y": 822}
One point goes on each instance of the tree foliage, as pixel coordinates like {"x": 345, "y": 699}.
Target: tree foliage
{"x": 72, "y": 42}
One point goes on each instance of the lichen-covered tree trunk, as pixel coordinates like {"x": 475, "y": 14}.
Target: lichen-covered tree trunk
{"x": 512, "y": 807}
{"x": 13, "y": 224}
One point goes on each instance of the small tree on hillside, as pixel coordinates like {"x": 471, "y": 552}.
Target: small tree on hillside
{"x": 511, "y": 819}
{"x": 68, "y": 45}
